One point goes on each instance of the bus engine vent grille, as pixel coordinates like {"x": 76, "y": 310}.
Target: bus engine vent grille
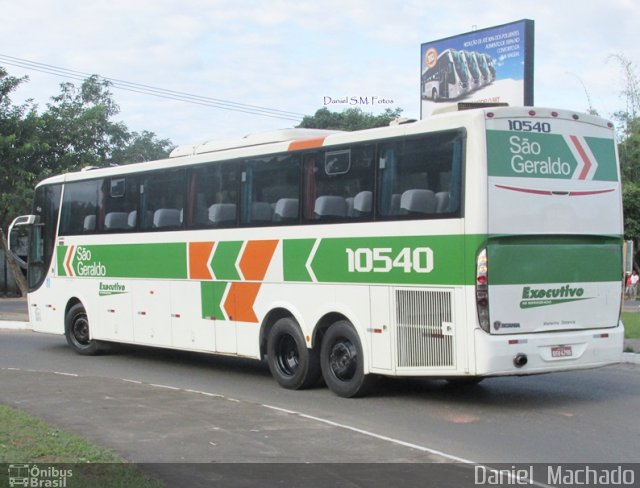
{"x": 424, "y": 328}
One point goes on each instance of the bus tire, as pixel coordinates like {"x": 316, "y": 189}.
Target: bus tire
{"x": 293, "y": 365}
{"x": 77, "y": 331}
{"x": 342, "y": 361}
{"x": 434, "y": 95}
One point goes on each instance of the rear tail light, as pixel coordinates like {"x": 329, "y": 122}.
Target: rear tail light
{"x": 482, "y": 289}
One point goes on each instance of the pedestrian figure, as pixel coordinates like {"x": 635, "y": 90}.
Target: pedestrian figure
{"x": 634, "y": 284}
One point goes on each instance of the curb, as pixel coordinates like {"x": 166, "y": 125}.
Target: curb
{"x": 14, "y": 324}
{"x": 630, "y": 358}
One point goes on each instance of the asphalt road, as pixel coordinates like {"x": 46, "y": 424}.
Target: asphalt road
{"x": 580, "y": 417}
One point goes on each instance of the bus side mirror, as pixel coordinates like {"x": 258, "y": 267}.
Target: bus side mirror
{"x": 23, "y": 220}
{"x": 19, "y": 222}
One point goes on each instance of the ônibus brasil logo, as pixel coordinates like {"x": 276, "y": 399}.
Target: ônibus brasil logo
{"x": 541, "y": 297}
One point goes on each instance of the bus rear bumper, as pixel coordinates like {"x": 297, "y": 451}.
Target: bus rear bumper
{"x": 522, "y": 354}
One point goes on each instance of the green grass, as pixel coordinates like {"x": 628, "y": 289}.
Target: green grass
{"x": 27, "y": 440}
{"x": 631, "y": 321}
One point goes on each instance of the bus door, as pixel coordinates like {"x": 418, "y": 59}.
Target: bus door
{"x": 193, "y": 325}
{"x": 152, "y": 312}
{"x": 380, "y": 329}
{"x": 115, "y": 309}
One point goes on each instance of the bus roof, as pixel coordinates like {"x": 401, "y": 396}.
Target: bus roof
{"x": 285, "y": 140}
{"x": 256, "y": 139}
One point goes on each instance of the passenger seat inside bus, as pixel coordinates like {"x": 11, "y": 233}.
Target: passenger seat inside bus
{"x": 442, "y": 201}
{"x": 286, "y": 210}
{"x": 89, "y": 224}
{"x": 362, "y": 203}
{"x": 132, "y": 219}
{"x": 417, "y": 201}
{"x": 222, "y": 213}
{"x": 116, "y": 221}
{"x": 166, "y": 217}
{"x": 330, "y": 207}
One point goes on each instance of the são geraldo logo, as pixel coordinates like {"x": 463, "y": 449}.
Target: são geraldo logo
{"x": 531, "y": 158}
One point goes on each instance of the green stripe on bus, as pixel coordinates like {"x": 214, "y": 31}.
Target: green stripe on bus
{"x": 223, "y": 262}
{"x": 546, "y": 262}
{"x": 61, "y": 251}
{"x": 296, "y": 252}
{"x": 418, "y": 260}
{"x": 401, "y": 260}
{"x": 211, "y": 298}
{"x": 162, "y": 260}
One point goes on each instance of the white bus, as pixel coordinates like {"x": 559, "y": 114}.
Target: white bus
{"x": 448, "y": 78}
{"x": 478, "y": 243}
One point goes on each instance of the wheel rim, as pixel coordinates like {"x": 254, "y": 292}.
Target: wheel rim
{"x": 343, "y": 360}
{"x": 80, "y": 331}
{"x": 288, "y": 358}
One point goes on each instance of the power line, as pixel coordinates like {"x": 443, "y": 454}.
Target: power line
{"x": 154, "y": 91}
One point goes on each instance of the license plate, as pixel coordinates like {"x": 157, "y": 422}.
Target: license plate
{"x": 561, "y": 352}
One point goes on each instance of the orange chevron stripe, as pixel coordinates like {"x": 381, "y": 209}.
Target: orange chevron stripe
{"x": 306, "y": 143}
{"x": 240, "y": 300}
{"x": 256, "y": 258}
{"x": 199, "y": 253}
{"x": 67, "y": 263}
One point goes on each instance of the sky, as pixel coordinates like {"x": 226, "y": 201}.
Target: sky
{"x": 298, "y": 55}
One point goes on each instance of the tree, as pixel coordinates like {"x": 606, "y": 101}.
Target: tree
{"x": 631, "y": 199}
{"x": 349, "y": 120}
{"x": 142, "y": 146}
{"x": 18, "y": 137}
{"x": 76, "y": 130}
{"x": 79, "y": 124}
{"x": 629, "y": 148}
{"x": 17, "y": 126}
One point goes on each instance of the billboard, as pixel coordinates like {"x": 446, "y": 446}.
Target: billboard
{"x": 493, "y": 65}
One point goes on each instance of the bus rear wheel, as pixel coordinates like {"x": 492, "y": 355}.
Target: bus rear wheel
{"x": 342, "y": 361}
{"x": 78, "y": 333}
{"x": 292, "y": 364}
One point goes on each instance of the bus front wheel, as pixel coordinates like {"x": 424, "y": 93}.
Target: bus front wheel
{"x": 292, "y": 364}
{"x": 77, "y": 331}
{"x": 342, "y": 361}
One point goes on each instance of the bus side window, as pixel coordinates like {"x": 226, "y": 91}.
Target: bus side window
{"x": 420, "y": 177}
{"x": 270, "y": 190}
{"x": 162, "y": 200}
{"x": 120, "y": 203}
{"x": 339, "y": 184}
{"x": 80, "y": 207}
{"x": 213, "y": 196}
